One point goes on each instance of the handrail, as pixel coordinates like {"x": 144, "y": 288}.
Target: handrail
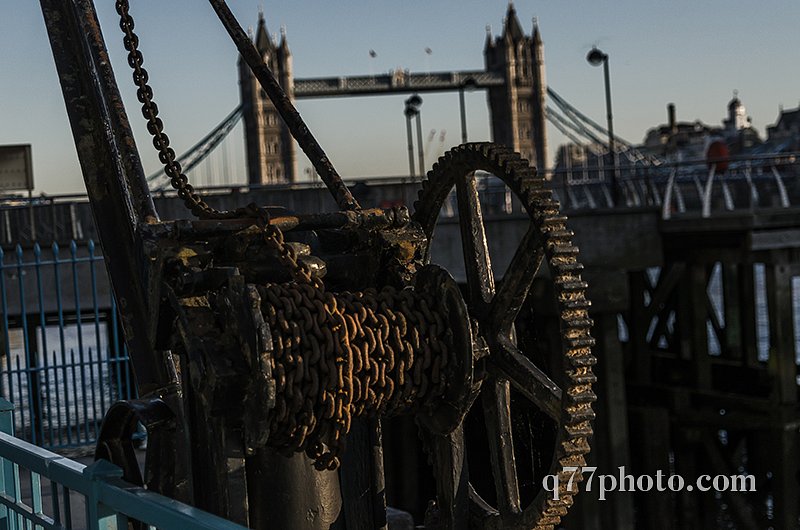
{"x": 110, "y": 501}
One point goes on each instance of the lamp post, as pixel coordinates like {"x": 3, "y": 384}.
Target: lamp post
{"x": 595, "y": 57}
{"x": 411, "y": 110}
{"x": 419, "y": 143}
{"x": 467, "y": 84}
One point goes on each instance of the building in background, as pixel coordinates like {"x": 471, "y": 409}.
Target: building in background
{"x": 690, "y": 140}
{"x": 269, "y": 146}
{"x": 517, "y": 108}
{"x": 786, "y": 131}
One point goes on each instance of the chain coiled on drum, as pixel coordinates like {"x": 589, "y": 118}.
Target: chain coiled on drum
{"x": 344, "y": 355}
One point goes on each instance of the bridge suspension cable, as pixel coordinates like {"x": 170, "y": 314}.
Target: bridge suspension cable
{"x": 580, "y": 117}
{"x": 583, "y": 134}
{"x": 571, "y": 122}
{"x": 199, "y": 151}
{"x": 566, "y": 128}
{"x": 585, "y": 126}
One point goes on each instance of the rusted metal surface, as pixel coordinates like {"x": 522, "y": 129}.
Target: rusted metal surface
{"x": 108, "y": 158}
{"x": 352, "y": 354}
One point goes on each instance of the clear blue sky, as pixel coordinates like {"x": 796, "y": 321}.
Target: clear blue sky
{"x": 691, "y": 53}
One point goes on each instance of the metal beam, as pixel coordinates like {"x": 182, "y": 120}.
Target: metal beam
{"x": 397, "y": 82}
{"x": 111, "y": 170}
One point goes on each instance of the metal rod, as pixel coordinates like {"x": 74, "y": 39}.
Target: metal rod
{"x": 185, "y": 230}
{"x": 462, "y": 107}
{"x": 419, "y": 144}
{"x": 31, "y": 215}
{"x": 611, "y": 146}
{"x": 410, "y": 146}
{"x": 108, "y": 158}
{"x": 285, "y": 108}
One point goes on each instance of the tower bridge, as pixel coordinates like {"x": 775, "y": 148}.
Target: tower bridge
{"x": 519, "y": 100}
{"x": 514, "y": 79}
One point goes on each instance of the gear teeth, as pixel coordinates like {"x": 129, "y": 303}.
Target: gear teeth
{"x": 580, "y": 429}
{"x": 582, "y": 342}
{"x": 573, "y": 285}
{"x": 543, "y": 198}
{"x": 530, "y": 184}
{"x": 580, "y": 303}
{"x": 557, "y": 511}
{"x": 564, "y": 250}
{"x": 585, "y": 379}
{"x": 584, "y": 360}
{"x": 581, "y": 323}
{"x": 583, "y": 375}
{"x": 565, "y": 269}
{"x": 574, "y": 267}
{"x": 518, "y": 166}
{"x": 546, "y": 204}
{"x": 540, "y": 194}
{"x": 584, "y": 397}
{"x": 555, "y": 220}
{"x": 583, "y": 413}
{"x": 562, "y": 235}
{"x": 576, "y": 446}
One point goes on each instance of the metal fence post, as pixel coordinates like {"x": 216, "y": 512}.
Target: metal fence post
{"x": 6, "y": 416}
{"x": 9, "y": 477}
{"x": 98, "y": 515}
{"x": 5, "y": 339}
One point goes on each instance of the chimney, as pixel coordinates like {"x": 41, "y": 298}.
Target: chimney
{"x": 673, "y": 126}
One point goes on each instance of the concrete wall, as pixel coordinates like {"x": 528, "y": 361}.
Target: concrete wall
{"x": 610, "y": 243}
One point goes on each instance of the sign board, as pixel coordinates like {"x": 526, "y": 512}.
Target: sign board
{"x": 16, "y": 168}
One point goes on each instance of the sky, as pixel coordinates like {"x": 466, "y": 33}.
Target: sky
{"x": 693, "y": 54}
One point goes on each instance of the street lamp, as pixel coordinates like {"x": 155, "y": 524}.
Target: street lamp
{"x": 468, "y": 84}
{"x": 412, "y": 109}
{"x": 595, "y": 57}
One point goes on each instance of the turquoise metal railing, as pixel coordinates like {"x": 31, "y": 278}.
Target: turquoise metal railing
{"x": 40, "y": 490}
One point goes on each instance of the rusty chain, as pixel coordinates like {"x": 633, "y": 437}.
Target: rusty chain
{"x": 179, "y": 181}
{"x": 344, "y": 355}
{"x": 155, "y": 126}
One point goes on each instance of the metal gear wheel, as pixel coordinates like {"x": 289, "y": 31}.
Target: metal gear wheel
{"x": 503, "y": 359}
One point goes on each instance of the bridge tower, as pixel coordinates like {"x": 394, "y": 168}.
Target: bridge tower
{"x": 268, "y": 142}
{"x": 517, "y": 108}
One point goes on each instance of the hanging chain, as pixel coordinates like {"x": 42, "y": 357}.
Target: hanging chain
{"x": 155, "y": 126}
{"x": 179, "y": 181}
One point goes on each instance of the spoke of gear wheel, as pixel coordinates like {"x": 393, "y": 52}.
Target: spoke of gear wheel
{"x": 575, "y": 413}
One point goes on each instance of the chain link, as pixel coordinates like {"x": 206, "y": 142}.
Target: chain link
{"x": 350, "y": 354}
